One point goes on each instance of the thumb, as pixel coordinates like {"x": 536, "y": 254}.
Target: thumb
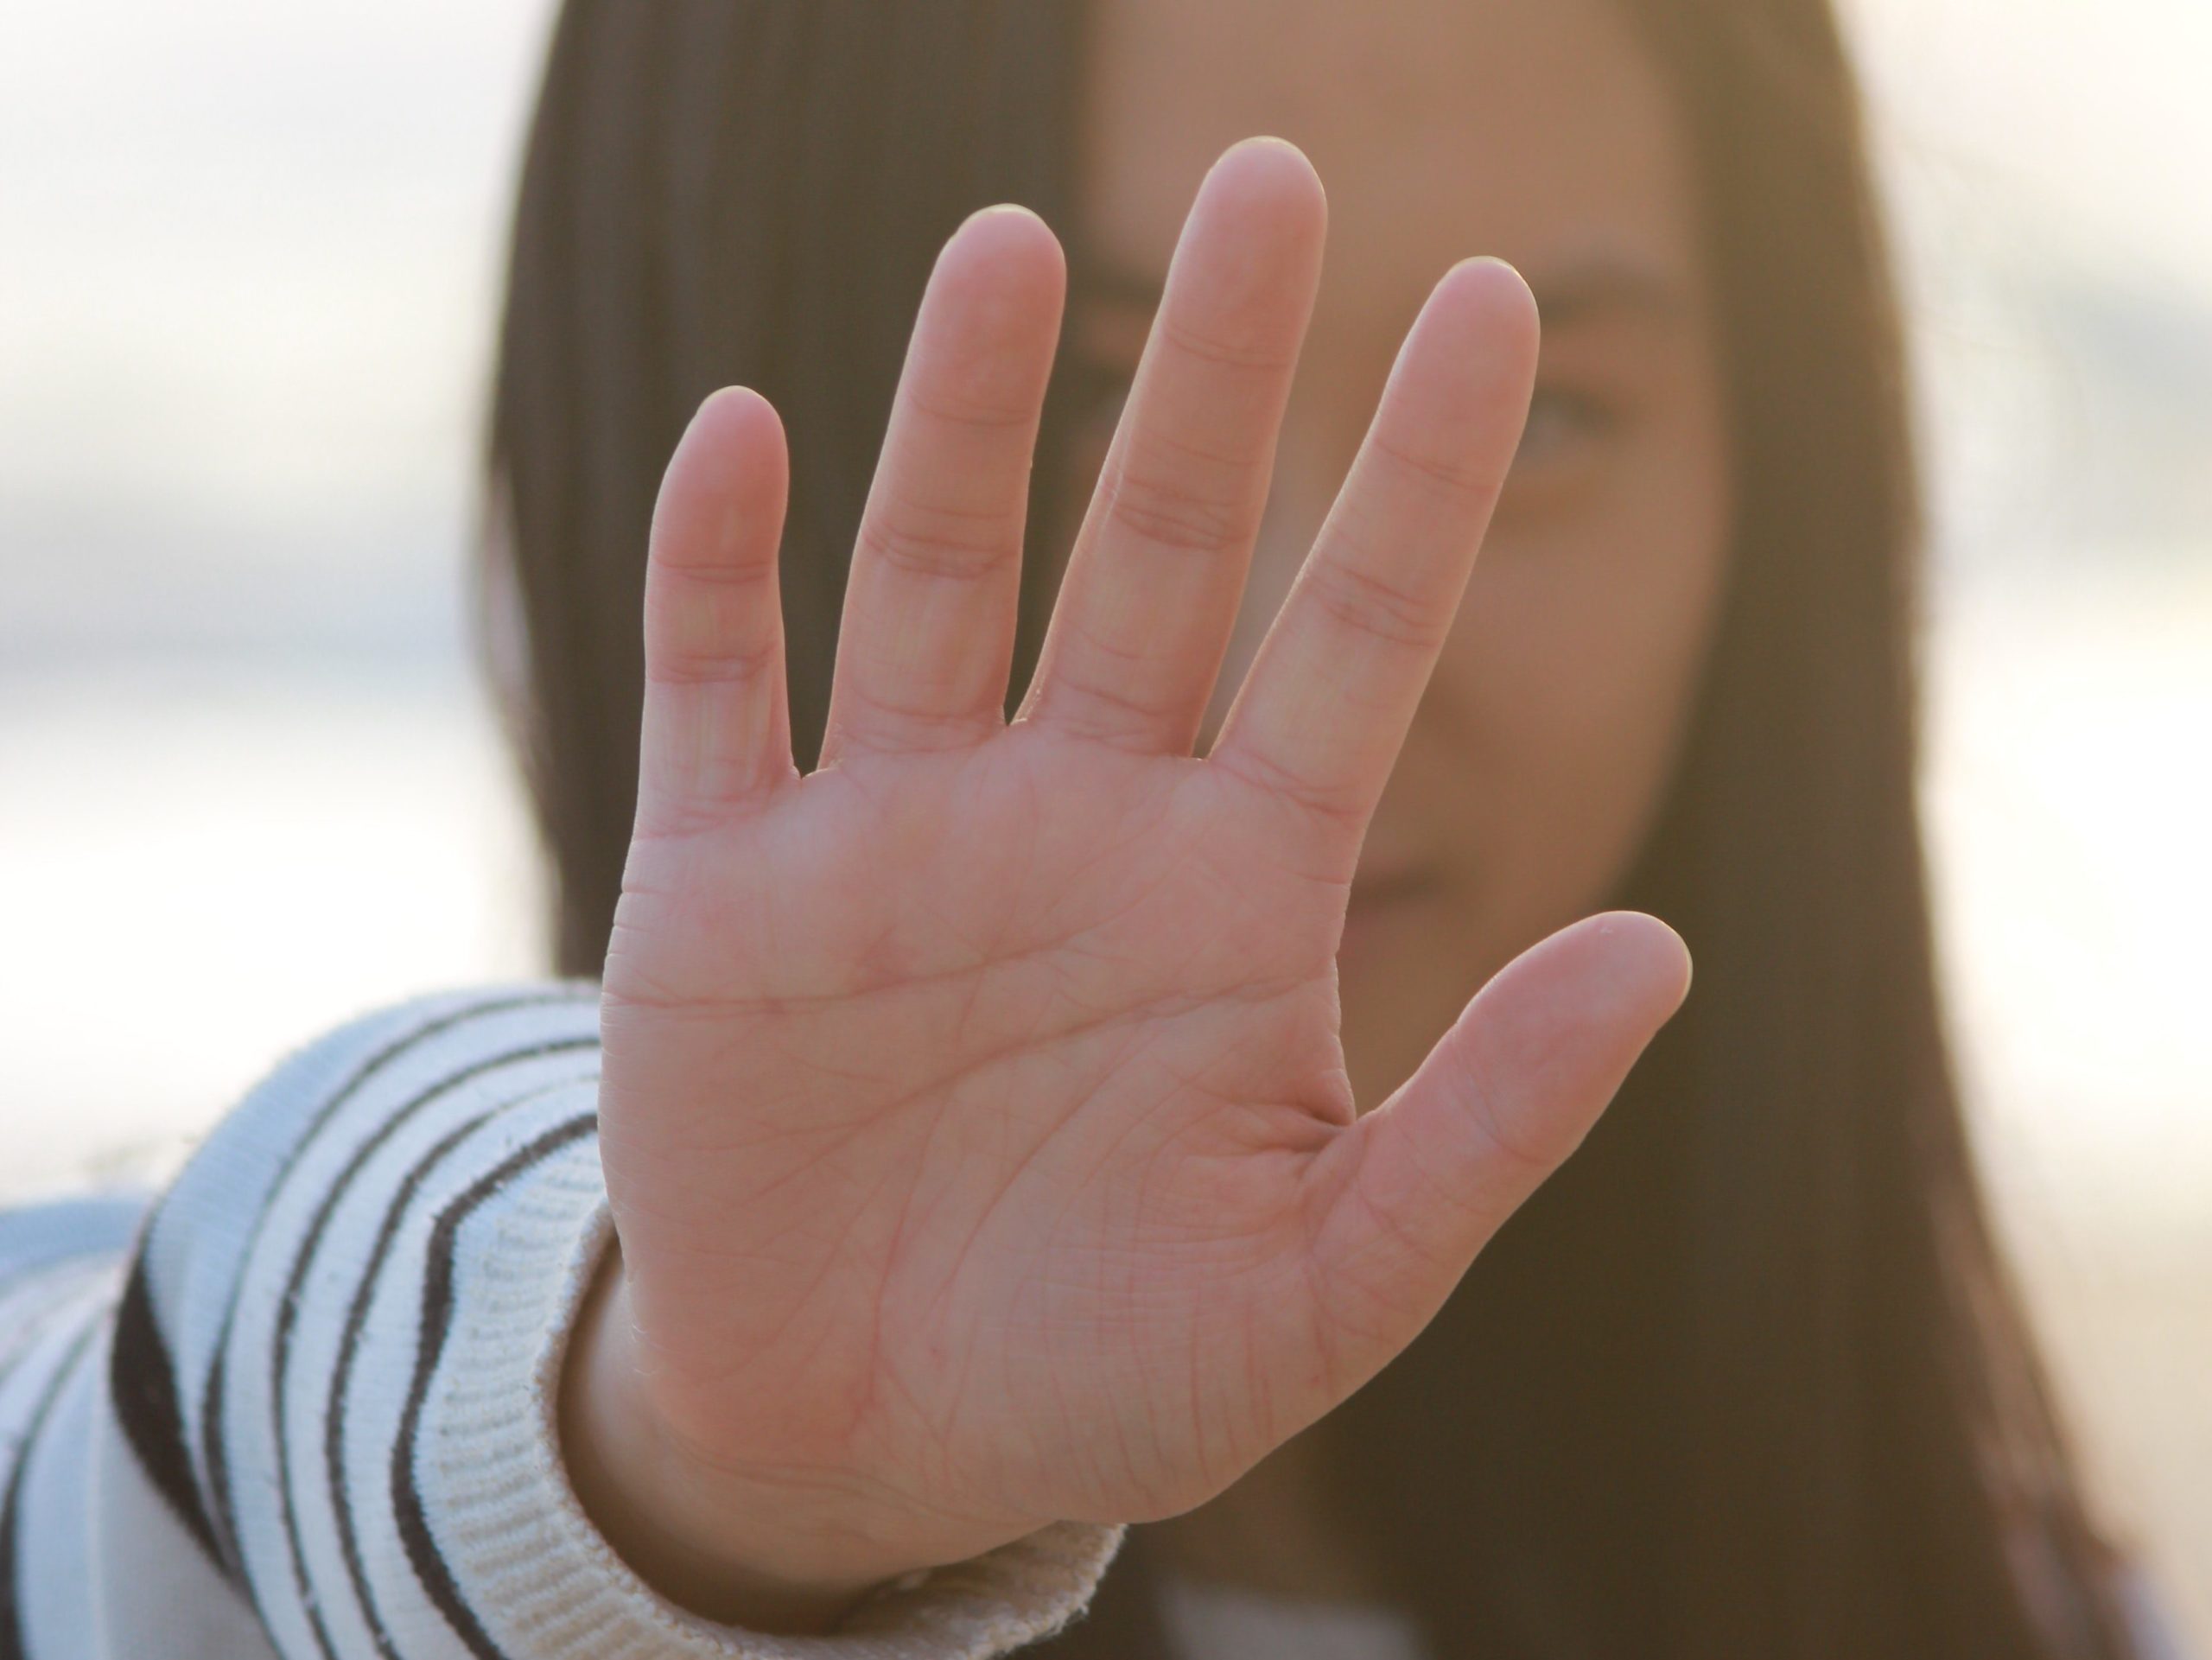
{"x": 1411, "y": 1192}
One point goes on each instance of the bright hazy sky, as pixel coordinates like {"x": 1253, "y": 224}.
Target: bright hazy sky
{"x": 246, "y": 248}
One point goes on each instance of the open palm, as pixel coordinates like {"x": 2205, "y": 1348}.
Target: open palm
{"x": 979, "y": 1140}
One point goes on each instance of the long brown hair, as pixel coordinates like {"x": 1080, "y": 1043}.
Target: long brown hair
{"x": 1749, "y": 1377}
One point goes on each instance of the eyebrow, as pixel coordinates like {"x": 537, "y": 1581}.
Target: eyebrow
{"x": 1579, "y": 289}
{"x": 1597, "y": 285}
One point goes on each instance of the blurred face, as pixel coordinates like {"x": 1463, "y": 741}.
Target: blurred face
{"x": 1536, "y": 131}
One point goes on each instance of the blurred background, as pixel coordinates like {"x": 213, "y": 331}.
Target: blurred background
{"x": 250, "y": 786}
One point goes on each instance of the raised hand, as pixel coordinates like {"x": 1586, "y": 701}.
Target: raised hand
{"x": 974, "y": 1116}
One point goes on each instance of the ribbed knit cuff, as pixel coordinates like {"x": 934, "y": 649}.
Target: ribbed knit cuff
{"x": 529, "y": 1568}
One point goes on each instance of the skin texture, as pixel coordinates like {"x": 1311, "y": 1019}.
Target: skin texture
{"x": 1537, "y": 130}
{"x": 974, "y": 1116}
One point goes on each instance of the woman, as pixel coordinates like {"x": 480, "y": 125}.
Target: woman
{"x": 985, "y": 1170}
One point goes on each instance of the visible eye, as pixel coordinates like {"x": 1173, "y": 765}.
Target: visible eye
{"x": 1562, "y": 420}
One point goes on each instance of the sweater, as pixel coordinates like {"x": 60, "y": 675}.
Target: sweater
{"x": 303, "y": 1403}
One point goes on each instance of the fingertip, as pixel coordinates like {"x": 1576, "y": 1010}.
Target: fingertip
{"x": 1009, "y": 246}
{"x": 1266, "y": 156}
{"x": 736, "y": 414}
{"x": 728, "y": 434}
{"x": 1499, "y": 280}
{"x": 1492, "y": 297}
{"x": 1271, "y": 176}
{"x": 1645, "y": 958}
{"x": 728, "y": 470}
{"x": 1009, "y": 226}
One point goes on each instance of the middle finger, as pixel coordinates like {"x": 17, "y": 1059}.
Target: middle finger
{"x": 1152, "y": 588}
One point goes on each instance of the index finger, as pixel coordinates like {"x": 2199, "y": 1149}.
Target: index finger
{"x": 1322, "y": 714}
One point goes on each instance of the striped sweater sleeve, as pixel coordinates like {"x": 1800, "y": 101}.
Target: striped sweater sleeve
{"x": 303, "y": 1407}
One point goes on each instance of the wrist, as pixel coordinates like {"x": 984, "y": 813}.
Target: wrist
{"x": 680, "y": 1525}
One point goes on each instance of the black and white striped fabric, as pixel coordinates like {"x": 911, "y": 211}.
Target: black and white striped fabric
{"x": 303, "y": 1404}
